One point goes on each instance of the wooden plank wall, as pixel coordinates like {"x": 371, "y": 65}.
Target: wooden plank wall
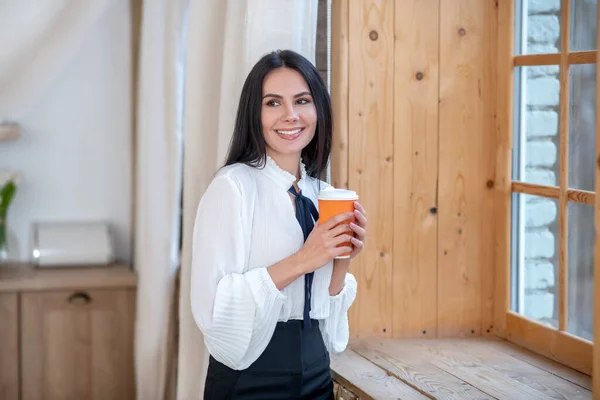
{"x": 413, "y": 90}
{"x": 465, "y": 252}
{"x": 371, "y": 144}
{"x": 416, "y": 76}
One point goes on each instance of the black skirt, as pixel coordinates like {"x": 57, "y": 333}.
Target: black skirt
{"x": 295, "y": 365}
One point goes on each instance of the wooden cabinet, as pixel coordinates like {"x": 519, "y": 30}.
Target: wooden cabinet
{"x": 9, "y": 346}
{"x": 69, "y": 336}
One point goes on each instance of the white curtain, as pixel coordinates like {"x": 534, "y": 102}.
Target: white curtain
{"x": 38, "y": 39}
{"x": 225, "y": 39}
{"x": 158, "y": 187}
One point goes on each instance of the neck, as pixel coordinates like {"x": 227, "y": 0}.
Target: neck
{"x": 287, "y": 162}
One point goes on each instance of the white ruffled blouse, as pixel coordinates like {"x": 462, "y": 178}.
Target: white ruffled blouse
{"x": 245, "y": 223}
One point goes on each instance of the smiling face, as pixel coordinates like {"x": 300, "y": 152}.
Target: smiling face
{"x": 288, "y": 115}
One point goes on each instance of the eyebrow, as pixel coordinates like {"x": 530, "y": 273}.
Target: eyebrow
{"x": 277, "y": 96}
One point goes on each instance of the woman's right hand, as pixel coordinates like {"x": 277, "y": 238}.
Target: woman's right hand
{"x": 321, "y": 245}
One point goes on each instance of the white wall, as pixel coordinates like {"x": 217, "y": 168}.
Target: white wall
{"x": 75, "y": 150}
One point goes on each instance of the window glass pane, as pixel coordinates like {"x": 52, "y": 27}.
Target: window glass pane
{"x": 581, "y": 270}
{"x": 537, "y": 26}
{"x": 536, "y": 141}
{"x": 584, "y": 14}
{"x": 535, "y": 244}
{"x": 582, "y": 129}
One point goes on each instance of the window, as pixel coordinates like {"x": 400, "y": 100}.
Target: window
{"x": 553, "y": 174}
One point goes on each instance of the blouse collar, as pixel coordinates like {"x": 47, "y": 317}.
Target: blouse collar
{"x": 282, "y": 177}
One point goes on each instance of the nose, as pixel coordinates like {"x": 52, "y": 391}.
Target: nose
{"x": 290, "y": 114}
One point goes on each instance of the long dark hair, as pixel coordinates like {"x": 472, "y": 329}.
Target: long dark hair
{"x": 248, "y": 145}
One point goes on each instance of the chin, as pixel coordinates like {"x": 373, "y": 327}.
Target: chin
{"x": 287, "y": 151}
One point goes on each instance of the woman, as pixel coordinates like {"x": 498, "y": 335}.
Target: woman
{"x": 266, "y": 291}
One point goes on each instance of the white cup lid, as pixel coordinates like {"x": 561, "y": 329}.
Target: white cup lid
{"x": 330, "y": 193}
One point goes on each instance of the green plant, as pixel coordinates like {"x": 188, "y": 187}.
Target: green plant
{"x": 6, "y": 195}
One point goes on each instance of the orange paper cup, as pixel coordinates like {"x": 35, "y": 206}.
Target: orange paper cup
{"x": 333, "y": 202}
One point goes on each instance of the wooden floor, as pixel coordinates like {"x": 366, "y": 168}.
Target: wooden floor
{"x": 476, "y": 368}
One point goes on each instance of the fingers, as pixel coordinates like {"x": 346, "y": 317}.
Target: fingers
{"x": 360, "y": 218}
{"x": 346, "y": 230}
{"x": 336, "y": 220}
{"x": 338, "y": 230}
{"x": 360, "y": 232}
{"x": 360, "y": 208}
{"x": 341, "y": 239}
{"x": 343, "y": 250}
{"x": 358, "y": 244}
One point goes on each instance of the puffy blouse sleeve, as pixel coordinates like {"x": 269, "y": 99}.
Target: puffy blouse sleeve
{"x": 334, "y": 328}
{"x": 236, "y": 311}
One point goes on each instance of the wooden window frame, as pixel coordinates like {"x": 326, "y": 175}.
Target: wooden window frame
{"x": 556, "y": 344}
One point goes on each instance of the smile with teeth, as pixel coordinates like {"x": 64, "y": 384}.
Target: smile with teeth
{"x": 289, "y": 132}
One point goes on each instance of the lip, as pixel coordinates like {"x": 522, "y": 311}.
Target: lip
{"x": 290, "y": 137}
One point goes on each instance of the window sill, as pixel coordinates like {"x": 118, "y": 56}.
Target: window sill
{"x": 482, "y": 367}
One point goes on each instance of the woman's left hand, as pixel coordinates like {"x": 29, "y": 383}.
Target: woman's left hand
{"x": 360, "y": 229}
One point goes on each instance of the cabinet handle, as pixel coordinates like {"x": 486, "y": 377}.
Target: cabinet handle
{"x": 80, "y": 296}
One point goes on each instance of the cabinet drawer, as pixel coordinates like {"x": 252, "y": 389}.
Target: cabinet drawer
{"x": 78, "y": 345}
